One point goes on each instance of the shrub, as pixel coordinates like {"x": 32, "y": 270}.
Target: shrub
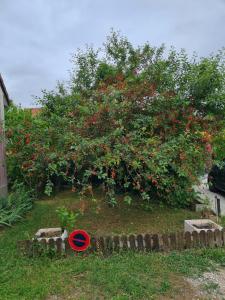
{"x": 134, "y": 119}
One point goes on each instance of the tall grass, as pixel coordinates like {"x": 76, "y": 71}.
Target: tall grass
{"x": 15, "y": 205}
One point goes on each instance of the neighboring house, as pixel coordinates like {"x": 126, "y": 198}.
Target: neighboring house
{"x": 4, "y": 101}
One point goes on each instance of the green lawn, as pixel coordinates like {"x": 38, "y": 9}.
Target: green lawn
{"x": 120, "y": 276}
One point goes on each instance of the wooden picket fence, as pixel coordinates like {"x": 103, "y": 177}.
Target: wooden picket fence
{"x": 141, "y": 242}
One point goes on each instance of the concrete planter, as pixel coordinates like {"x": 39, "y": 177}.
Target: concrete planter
{"x": 200, "y": 224}
{"x": 51, "y": 233}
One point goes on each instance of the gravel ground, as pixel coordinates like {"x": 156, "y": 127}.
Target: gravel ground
{"x": 210, "y": 285}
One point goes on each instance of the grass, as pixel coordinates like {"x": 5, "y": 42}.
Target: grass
{"x": 210, "y": 286}
{"x": 100, "y": 219}
{"x": 222, "y": 221}
{"x": 120, "y": 276}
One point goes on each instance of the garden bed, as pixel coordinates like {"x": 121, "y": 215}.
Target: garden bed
{"x": 100, "y": 219}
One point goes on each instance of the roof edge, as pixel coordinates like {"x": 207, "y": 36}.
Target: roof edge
{"x": 2, "y": 84}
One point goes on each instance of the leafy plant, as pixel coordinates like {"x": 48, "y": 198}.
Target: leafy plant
{"x": 67, "y": 218}
{"x": 127, "y": 199}
{"x": 13, "y": 207}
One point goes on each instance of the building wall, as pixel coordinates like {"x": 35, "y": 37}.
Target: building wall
{"x": 3, "y": 173}
{"x": 1, "y": 104}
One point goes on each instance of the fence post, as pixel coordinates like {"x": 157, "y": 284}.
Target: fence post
{"x": 109, "y": 244}
{"x": 68, "y": 249}
{"x": 147, "y": 239}
{"x": 25, "y": 247}
{"x": 165, "y": 242}
{"x": 93, "y": 247}
{"x": 140, "y": 244}
{"x": 195, "y": 237}
{"x": 155, "y": 242}
{"x": 188, "y": 241}
{"x": 202, "y": 239}
{"x": 132, "y": 242}
{"x": 210, "y": 238}
{"x": 218, "y": 238}
{"x": 116, "y": 242}
{"x": 173, "y": 241}
{"x": 101, "y": 244}
{"x": 124, "y": 242}
{"x": 180, "y": 240}
{"x": 223, "y": 236}
{"x": 59, "y": 246}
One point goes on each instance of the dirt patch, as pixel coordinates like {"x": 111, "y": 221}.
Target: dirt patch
{"x": 78, "y": 294}
{"x": 181, "y": 290}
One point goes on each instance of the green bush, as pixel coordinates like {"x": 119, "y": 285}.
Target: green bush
{"x": 138, "y": 119}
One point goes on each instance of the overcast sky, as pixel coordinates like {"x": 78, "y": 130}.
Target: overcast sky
{"x": 37, "y": 37}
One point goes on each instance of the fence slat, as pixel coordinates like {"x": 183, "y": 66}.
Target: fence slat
{"x": 124, "y": 242}
{"x": 35, "y": 247}
{"x": 93, "y": 246}
{"x": 51, "y": 244}
{"x": 43, "y": 245}
{"x": 59, "y": 246}
{"x": 195, "y": 238}
{"x": 223, "y": 236}
{"x": 180, "y": 240}
{"x": 210, "y": 238}
{"x": 218, "y": 238}
{"x": 132, "y": 242}
{"x": 173, "y": 241}
{"x": 116, "y": 243}
{"x": 202, "y": 239}
{"x": 101, "y": 244}
{"x": 68, "y": 249}
{"x": 155, "y": 242}
{"x": 188, "y": 241}
{"x": 25, "y": 247}
{"x": 140, "y": 243}
{"x": 21, "y": 246}
{"x": 147, "y": 239}
{"x": 165, "y": 242}
{"x": 109, "y": 244}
